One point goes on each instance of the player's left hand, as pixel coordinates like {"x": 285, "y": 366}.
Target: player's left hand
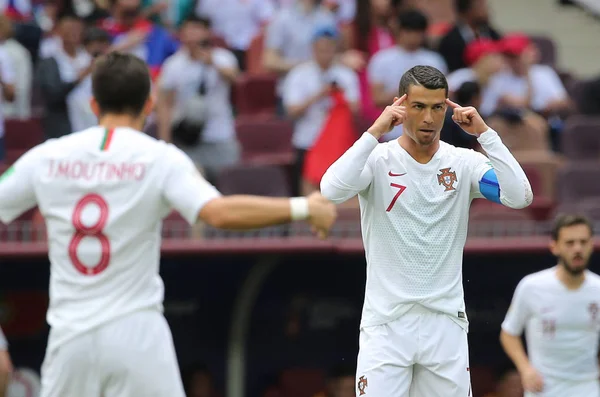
{"x": 468, "y": 118}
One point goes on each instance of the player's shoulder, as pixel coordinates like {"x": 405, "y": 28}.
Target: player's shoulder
{"x": 593, "y": 278}
{"x": 303, "y": 69}
{"x": 178, "y": 58}
{"x": 385, "y": 55}
{"x": 539, "y": 278}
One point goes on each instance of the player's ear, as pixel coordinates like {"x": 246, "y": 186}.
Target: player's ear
{"x": 149, "y": 106}
{"x": 553, "y": 247}
{"x": 95, "y": 107}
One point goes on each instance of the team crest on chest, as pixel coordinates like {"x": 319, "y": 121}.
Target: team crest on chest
{"x": 362, "y": 385}
{"x": 447, "y": 178}
{"x": 593, "y": 310}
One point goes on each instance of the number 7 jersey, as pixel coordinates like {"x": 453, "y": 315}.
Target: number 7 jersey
{"x": 103, "y": 194}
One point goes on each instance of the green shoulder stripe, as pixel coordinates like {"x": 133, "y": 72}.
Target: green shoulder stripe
{"x": 7, "y": 173}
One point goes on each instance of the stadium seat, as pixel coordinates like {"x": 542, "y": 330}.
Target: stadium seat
{"x": 487, "y": 219}
{"x": 579, "y": 181}
{"x": 21, "y": 229}
{"x": 255, "y": 95}
{"x": 547, "y": 49}
{"x": 22, "y": 135}
{"x": 301, "y": 382}
{"x": 175, "y": 226}
{"x": 542, "y": 205}
{"x": 265, "y": 141}
{"x": 581, "y": 138}
{"x": 530, "y": 135}
{"x": 264, "y": 180}
{"x": 547, "y": 164}
{"x": 589, "y": 207}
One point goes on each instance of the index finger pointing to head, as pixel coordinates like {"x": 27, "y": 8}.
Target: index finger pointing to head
{"x": 453, "y": 105}
{"x": 399, "y": 101}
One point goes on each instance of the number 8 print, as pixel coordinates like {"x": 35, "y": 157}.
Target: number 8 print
{"x": 95, "y": 231}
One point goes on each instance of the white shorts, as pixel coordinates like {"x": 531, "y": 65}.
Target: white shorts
{"x": 422, "y": 354}
{"x": 564, "y": 388}
{"x": 130, "y": 357}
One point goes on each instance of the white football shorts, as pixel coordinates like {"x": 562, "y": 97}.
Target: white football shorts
{"x": 422, "y": 354}
{"x": 132, "y": 356}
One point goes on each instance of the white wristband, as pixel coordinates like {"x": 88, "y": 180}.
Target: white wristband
{"x": 299, "y": 208}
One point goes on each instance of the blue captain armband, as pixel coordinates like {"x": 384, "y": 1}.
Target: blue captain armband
{"x": 489, "y": 187}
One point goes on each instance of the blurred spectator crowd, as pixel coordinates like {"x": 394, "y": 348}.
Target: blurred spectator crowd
{"x": 246, "y": 88}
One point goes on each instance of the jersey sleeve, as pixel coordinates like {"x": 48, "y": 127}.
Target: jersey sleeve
{"x": 184, "y": 189}
{"x": 518, "y": 312}
{"x": 17, "y": 191}
{"x": 484, "y": 183}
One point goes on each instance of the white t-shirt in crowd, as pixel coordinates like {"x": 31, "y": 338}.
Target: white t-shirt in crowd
{"x": 561, "y": 326}
{"x": 305, "y": 81}
{"x": 545, "y": 84}
{"x": 238, "y": 22}
{"x": 7, "y": 75}
{"x": 183, "y": 74}
{"x": 103, "y": 195}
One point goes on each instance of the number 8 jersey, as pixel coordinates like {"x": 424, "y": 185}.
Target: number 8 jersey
{"x": 103, "y": 194}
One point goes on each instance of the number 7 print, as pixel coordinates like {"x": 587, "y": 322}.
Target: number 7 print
{"x": 400, "y": 190}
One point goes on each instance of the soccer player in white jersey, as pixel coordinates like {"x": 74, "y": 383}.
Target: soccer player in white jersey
{"x": 103, "y": 193}
{"x": 414, "y": 194}
{"x": 559, "y": 309}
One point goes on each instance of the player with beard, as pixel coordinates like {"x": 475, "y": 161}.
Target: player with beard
{"x": 559, "y": 310}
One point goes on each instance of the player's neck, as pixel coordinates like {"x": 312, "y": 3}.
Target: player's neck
{"x": 110, "y": 121}
{"x": 422, "y": 154}
{"x": 571, "y": 281}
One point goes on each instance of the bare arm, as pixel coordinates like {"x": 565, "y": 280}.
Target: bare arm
{"x": 242, "y": 212}
{"x": 228, "y": 73}
{"x": 164, "y": 113}
{"x": 274, "y": 62}
{"x": 514, "y": 349}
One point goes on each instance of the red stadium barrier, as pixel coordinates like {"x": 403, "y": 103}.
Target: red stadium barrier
{"x": 282, "y": 245}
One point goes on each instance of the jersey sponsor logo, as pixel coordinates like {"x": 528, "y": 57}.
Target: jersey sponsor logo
{"x": 7, "y": 173}
{"x": 447, "y": 178}
{"x": 392, "y": 174}
{"x": 362, "y": 385}
{"x": 462, "y": 315}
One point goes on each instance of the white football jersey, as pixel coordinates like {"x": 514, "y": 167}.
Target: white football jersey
{"x": 415, "y": 216}
{"x": 414, "y": 225}
{"x": 561, "y": 326}
{"x": 103, "y": 195}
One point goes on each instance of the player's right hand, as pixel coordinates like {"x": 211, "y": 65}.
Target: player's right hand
{"x": 532, "y": 380}
{"x": 322, "y": 214}
{"x": 391, "y": 117}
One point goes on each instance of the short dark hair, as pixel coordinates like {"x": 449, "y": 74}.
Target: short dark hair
{"x": 120, "y": 83}
{"x": 463, "y": 6}
{"x": 205, "y": 22}
{"x": 95, "y": 34}
{"x": 567, "y": 220}
{"x": 413, "y": 20}
{"x": 467, "y": 92}
{"x": 426, "y": 76}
